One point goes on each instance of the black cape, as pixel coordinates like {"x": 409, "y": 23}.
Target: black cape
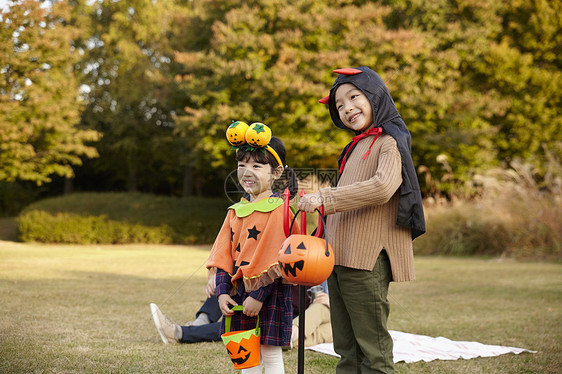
{"x": 385, "y": 115}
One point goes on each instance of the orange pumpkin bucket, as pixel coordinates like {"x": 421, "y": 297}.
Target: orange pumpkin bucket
{"x": 306, "y": 260}
{"x": 243, "y": 347}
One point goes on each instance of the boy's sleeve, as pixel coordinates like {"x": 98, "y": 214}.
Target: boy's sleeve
{"x": 374, "y": 191}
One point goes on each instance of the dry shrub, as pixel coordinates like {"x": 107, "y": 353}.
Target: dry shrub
{"x": 511, "y": 216}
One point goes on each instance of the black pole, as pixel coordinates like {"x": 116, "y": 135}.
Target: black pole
{"x": 302, "y": 307}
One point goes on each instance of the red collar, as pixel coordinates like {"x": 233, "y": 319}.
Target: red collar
{"x": 376, "y": 131}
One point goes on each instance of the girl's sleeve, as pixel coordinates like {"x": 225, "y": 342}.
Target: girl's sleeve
{"x": 374, "y": 191}
{"x": 262, "y": 293}
{"x": 224, "y": 283}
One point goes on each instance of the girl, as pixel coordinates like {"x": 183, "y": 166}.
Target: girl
{"x": 246, "y": 248}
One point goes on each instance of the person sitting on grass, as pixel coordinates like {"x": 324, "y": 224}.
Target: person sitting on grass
{"x": 317, "y": 323}
{"x": 205, "y": 327}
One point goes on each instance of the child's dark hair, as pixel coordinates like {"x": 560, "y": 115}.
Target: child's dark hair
{"x": 265, "y": 157}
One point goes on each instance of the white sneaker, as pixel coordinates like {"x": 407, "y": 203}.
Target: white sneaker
{"x": 165, "y": 326}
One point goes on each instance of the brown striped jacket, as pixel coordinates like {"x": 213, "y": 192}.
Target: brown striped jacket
{"x": 362, "y": 210}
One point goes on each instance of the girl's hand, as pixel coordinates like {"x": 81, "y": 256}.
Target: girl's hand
{"x": 224, "y": 301}
{"x": 251, "y": 307}
{"x": 310, "y": 202}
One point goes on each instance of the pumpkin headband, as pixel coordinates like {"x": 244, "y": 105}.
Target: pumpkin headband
{"x": 251, "y": 138}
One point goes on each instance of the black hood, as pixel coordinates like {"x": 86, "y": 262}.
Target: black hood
{"x": 385, "y": 115}
{"x": 371, "y": 84}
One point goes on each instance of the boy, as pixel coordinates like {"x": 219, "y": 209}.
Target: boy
{"x": 375, "y": 211}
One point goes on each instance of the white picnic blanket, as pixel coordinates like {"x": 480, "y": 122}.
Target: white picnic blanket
{"x": 413, "y": 348}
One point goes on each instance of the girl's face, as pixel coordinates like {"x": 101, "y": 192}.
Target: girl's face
{"x": 353, "y": 107}
{"x": 256, "y": 178}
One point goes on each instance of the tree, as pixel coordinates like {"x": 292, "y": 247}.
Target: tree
{"x": 477, "y": 82}
{"x": 271, "y": 61}
{"x": 40, "y": 108}
{"x": 470, "y": 78}
{"x": 266, "y": 61}
{"x": 488, "y": 90}
{"x": 125, "y": 66}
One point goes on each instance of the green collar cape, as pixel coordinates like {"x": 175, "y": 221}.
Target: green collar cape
{"x": 244, "y": 208}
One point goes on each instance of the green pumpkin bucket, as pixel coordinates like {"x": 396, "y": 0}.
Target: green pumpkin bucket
{"x": 243, "y": 347}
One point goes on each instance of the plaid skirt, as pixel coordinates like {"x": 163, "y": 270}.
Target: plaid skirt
{"x": 276, "y": 314}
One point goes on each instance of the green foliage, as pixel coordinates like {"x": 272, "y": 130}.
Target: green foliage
{"x": 469, "y": 78}
{"x": 39, "y": 106}
{"x": 113, "y": 218}
{"x": 125, "y": 66}
{"x": 40, "y": 226}
{"x": 16, "y": 196}
{"x": 262, "y": 62}
{"x": 476, "y": 94}
{"x": 477, "y": 83}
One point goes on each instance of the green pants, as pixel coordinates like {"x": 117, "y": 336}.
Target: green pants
{"x": 359, "y": 311}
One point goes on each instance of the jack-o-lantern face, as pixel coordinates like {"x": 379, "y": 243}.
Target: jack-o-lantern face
{"x": 258, "y": 135}
{"x": 245, "y": 354}
{"x": 236, "y": 133}
{"x": 239, "y": 357}
{"x": 305, "y": 260}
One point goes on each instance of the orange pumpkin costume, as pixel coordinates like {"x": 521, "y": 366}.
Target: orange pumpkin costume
{"x": 249, "y": 241}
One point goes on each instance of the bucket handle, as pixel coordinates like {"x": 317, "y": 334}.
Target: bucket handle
{"x": 236, "y": 308}
{"x": 320, "y": 227}
{"x": 320, "y": 217}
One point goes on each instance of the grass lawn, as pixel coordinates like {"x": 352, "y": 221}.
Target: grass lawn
{"x": 85, "y": 309}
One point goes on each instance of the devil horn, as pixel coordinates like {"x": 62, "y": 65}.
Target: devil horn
{"x": 324, "y": 100}
{"x": 348, "y": 71}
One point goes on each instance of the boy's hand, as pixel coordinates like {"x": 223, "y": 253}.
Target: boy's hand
{"x": 322, "y": 298}
{"x": 224, "y": 301}
{"x": 252, "y": 307}
{"x": 211, "y": 288}
{"x": 310, "y": 202}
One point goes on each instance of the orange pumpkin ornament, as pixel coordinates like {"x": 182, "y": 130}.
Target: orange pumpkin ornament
{"x": 306, "y": 260}
{"x": 236, "y": 133}
{"x": 258, "y": 135}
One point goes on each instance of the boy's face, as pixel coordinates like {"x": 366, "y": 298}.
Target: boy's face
{"x": 256, "y": 178}
{"x": 353, "y": 107}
